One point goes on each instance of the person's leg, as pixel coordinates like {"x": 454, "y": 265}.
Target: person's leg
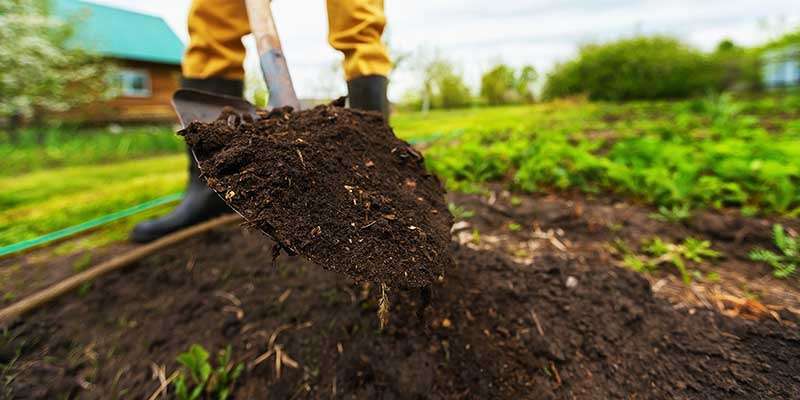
{"x": 212, "y": 63}
{"x": 355, "y": 28}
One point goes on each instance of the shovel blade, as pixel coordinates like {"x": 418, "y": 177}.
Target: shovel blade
{"x": 194, "y": 105}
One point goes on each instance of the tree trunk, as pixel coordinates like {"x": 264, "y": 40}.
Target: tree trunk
{"x": 38, "y": 127}
{"x": 14, "y": 123}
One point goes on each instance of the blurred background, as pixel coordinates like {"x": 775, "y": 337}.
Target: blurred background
{"x": 681, "y": 105}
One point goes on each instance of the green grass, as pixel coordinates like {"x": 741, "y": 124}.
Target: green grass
{"x": 41, "y": 202}
{"x": 70, "y": 147}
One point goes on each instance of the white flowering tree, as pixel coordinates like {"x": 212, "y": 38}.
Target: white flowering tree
{"x": 39, "y": 72}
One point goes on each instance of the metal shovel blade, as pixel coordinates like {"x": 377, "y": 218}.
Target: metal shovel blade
{"x": 194, "y": 105}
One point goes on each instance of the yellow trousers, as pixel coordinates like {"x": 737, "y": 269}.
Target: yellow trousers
{"x": 216, "y": 28}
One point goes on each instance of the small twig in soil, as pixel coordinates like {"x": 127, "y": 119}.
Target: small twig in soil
{"x": 383, "y": 307}
{"x": 234, "y": 310}
{"x": 274, "y": 336}
{"x": 369, "y": 224}
{"x": 555, "y": 373}
{"x": 299, "y": 154}
{"x": 159, "y": 371}
{"x": 538, "y": 325}
{"x": 230, "y": 297}
{"x": 284, "y": 296}
{"x": 282, "y": 358}
{"x": 261, "y": 359}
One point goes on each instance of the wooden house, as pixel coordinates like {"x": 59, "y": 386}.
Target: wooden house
{"x": 147, "y": 53}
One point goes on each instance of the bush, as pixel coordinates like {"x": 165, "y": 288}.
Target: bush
{"x": 503, "y": 85}
{"x": 639, "y": 68}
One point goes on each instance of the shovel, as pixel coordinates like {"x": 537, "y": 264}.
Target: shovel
{"x": 194, "y": 105}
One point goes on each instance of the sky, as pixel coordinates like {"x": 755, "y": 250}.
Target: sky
{"x": 476, "y": 34}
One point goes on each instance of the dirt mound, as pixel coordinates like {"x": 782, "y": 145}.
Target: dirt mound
{"x": 333, "y": 184}
{"x": 555, "y": 328}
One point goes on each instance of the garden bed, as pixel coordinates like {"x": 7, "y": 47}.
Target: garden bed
{"x": 535, "y": 307}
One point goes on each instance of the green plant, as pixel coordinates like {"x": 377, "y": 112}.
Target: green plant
{"x": 199, "y": 377}
{"x": 83, "y": 262}
{"x": 697, "y": 250}
{"x": 657, "y": 252}
{"x": 476, "y": 237}
{"x": 676, "y": 213}
{"x": 460, "y": 213}
{"x": 784, "y": 264}
{"x": 514, "y": 227}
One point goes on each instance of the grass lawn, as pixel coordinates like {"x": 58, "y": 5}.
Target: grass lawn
{"x": 711, "y": 152}
{"x": 44, "y": 201}
{"x": 68, "y": 146}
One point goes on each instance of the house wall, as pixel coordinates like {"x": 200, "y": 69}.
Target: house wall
{"x": 155, "y": 107}
{"x": 781, "y": 67}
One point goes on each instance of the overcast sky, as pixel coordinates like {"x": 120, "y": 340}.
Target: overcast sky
{"x": 477, "y": 33}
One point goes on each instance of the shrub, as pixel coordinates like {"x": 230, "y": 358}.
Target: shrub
{"x": 503, "y": 85}
{"x": 638, "y": 68}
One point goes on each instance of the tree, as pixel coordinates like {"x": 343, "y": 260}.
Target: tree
{"x": 441, "y": 85}
{"x": 42, "y": 71}
{"x": 503, "y": 85}
{"x": 736, "y": 67}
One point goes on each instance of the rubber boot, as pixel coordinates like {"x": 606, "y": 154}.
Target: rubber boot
{"x": 369, "y": 93}
{"x": 199, "y": 202}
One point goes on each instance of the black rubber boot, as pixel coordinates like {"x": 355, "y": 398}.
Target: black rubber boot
{"x": 369, "y": 93}
{"x": 199, "y": 202}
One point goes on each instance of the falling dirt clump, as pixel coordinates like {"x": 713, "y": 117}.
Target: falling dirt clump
{"x": 334, "y": 185}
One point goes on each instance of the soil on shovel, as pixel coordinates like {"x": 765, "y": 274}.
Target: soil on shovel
{"x": 555, "y": 328}
{"x": 334, "y": 185}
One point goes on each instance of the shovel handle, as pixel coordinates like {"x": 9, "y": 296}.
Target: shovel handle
{"x": 270, "y": 54}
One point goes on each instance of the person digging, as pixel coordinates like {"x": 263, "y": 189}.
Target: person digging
{"x": 213, "y": 63}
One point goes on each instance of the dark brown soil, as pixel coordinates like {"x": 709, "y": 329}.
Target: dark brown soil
{"x": 332, "y": 184}
{"x": 563, "y": 325}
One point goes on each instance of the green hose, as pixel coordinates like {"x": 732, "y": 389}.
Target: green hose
{"x": 92, "y": 223}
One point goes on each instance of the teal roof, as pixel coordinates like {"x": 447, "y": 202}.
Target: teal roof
{"x": 120, "y": 33}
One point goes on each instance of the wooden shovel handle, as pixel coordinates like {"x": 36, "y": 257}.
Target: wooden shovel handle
{"x": 270, "y": 54}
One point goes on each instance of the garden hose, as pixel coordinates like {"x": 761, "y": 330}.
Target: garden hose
{"x": 92, "y": 223}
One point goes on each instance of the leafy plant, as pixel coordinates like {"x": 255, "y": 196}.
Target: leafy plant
{"x": 514, "y": 227}
{"x": 199, "y": 377}
{"x": 675, "y": 213}
{"x": 460, "y": 213}
{"x": 784, "y": 264}
{"x": 658, "y": 252}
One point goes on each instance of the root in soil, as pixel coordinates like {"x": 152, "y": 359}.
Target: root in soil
{"x": 334, "y": 185}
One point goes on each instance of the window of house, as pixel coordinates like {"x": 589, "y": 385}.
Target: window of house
{"x": 135, "y": 83}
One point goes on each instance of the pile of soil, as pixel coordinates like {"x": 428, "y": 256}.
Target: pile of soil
{"x": 559, "y": 327}
{"x": 332, "y": 184}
